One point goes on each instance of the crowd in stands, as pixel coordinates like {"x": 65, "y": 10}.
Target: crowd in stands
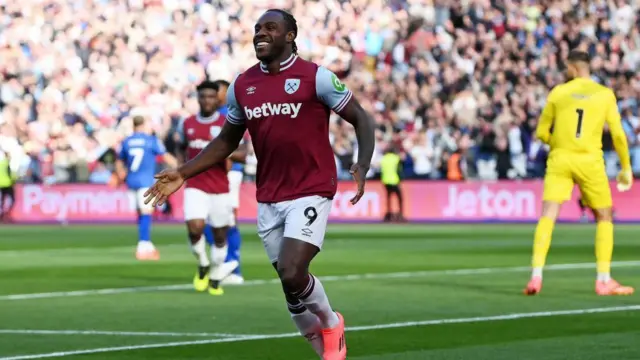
{"x": 455, "y": 86}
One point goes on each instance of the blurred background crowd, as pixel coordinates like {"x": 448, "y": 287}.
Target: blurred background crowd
{"x": 455, "y": 86}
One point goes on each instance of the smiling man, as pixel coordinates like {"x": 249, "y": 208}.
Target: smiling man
{"x": 285, "y": 103}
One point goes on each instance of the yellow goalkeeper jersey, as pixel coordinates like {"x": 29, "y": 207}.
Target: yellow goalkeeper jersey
{"x": 574, "y": 117}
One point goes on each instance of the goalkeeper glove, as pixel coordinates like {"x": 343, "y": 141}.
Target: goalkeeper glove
{"x": 624, "y": 180}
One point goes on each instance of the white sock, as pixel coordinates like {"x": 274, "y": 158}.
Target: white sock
{"x": 145, "y": 246}
{"x": 219, "y": 254}
{"x": 200, "y": 251}
{"x": 310, "y": 327}
{"x": 315, "y": 299}
{"x": 536, "y": 272}
{"x": 604, "y": 277}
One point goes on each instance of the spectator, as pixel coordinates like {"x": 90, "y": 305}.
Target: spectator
{"x": 516, "y": 149}
{"x": 503, "y": 157}
{"x": 421, "y": 151}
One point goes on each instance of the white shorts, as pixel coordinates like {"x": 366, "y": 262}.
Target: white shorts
{"x": 235, "y": 180}
{"x": 215, "y": 209}
{"x": 136, "y": 200}
{"x": 304, "y": 219}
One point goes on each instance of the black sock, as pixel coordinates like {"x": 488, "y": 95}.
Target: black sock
{"x": 203, "y": 271}
{"x": 214, "y": 283}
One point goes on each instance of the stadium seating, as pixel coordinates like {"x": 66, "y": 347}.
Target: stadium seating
{"x": 465, "y": 77}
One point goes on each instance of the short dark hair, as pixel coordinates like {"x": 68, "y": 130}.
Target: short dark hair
{"x": 579, "y": 56}
{"x": 221, "y": 83}
{"x": 291, "y": 24}
{"x": 207, "y": 84}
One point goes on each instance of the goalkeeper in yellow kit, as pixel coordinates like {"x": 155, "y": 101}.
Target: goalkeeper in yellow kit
{"x": 578, "y": 111}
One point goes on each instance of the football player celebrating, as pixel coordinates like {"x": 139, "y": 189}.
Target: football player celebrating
{"x": 285, "y": 103}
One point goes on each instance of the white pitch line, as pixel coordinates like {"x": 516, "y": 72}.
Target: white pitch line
{"x": 115, "y": 333}
{"x": 111, "y": 291}
{"x": 352, "y": 277}
{"x": 504, "y": 317}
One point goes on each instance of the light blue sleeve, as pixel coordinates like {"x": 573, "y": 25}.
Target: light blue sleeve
{"x": 158, "y": 146}
{"x": 331, "y": 91}
{"x": 235, "y": 115}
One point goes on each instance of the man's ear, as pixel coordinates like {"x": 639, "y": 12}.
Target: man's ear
{"x": 291, "y": 36}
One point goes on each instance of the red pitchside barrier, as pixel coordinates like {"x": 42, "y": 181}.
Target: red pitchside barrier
{"x": 425, "y": 201}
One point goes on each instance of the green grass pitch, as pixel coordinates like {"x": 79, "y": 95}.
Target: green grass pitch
{"x": 408, "y": 292}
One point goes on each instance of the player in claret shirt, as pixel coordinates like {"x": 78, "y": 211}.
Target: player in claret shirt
{"x": 285, "y": 103}
{"x": 206, "y": 196}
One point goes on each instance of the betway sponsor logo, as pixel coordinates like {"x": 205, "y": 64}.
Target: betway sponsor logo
{"x": 484, "y": 202}
{"x": 62, "y": 203}
{"x": 269, "y": 109}
{"x": 198, "y": 144}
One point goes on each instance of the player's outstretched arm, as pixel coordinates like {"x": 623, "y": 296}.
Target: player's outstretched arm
{"x": 365, "y": 133}
{"x": 170, "y": 180}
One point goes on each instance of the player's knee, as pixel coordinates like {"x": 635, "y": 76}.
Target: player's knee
{"x": 195, "y": 229}
{"x": 550, "y": 209}
{"x": 293, "y": 277}
{"x": 195, "y": 236}
{"x": 603, "y": 214}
